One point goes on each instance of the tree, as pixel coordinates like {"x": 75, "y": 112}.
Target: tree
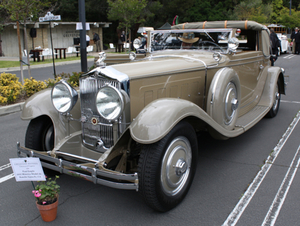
{"x": 128, "y": 12}
{"x": 207, "y": 11}
{"x": 252, "y": 10}
{"x": 277, "y": 6}
{"x": 3, "y": 19}
{"x": 290, "y": 21}
{"x": 22, "y": 10}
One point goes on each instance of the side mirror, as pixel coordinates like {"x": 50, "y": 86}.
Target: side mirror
{"x": 233, "y": 44}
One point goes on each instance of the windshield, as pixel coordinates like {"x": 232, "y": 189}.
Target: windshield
{"x": 200, "y": 39}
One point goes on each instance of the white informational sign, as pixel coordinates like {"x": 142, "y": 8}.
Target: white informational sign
{"x": 79, "y": 26}
{"x": 49, "y": 17}
{"x": 27, "y": 169}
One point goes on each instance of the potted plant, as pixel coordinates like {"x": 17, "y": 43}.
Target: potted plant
{"x": 46, "y": 193}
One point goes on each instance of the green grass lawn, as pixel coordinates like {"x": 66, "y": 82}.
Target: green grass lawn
{"x": 6, "y": 64}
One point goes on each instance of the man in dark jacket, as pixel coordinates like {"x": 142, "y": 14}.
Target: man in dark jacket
{"x": 275, "y": 45}
{"x": 97, "y": 42}
{"x": 294, "y": 35}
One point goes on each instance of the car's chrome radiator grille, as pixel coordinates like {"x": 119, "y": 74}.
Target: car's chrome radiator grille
{"x": 93, "y": 132}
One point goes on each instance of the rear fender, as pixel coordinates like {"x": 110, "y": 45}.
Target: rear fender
{"x": 274, "y": 74}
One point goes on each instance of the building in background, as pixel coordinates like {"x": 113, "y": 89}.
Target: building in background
{"x": 64, "y": 34}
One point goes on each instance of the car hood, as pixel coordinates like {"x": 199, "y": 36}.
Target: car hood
{"x": 167, "y": 62}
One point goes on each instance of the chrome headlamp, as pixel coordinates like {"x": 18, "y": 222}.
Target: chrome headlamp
{"x": 63, "y": 97}
{"x": 109, "y": 103}
{"x": 233, "y": 44}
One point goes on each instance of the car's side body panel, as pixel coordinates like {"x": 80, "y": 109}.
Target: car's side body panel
{"x": 161, "y": 115}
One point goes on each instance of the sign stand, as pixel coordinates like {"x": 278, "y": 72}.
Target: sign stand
{"x": 50, "y": 17}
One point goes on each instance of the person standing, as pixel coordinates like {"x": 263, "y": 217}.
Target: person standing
{"x": 87, "y": 40}
{"x": 275, "y": 45}
{"x": 293, "y": 37}
{"x": 297, "y": 40}
{"x": 122, "y": 41}
{"x": 96, "y": 39}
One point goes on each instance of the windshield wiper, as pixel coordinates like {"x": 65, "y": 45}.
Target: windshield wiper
{"x": 209, "y": 36}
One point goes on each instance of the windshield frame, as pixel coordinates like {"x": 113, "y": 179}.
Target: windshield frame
{"x": 174, "y": 31}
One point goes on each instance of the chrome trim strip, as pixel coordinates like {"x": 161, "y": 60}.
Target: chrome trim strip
{"x": 110, "y": 73}
{"x": 100, "y": 123}
{"x": 234, "y": 65}
{"x": 75, "y": 157}
{"x": 125, "y": 181}
{"x": 248, "y": 58}
{"x": 177, "y": 56}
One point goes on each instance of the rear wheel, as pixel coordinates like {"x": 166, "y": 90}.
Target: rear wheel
{"x": 275, "y": 107}
{"x": 166, "y": 168}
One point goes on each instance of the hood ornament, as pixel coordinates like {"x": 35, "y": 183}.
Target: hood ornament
{"x": 100, "y": 61}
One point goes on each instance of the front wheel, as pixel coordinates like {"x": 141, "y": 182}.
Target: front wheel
{"x": 40, "y": 134}
{"x": 40, "y": 137}
{"x": 166, "y": 168}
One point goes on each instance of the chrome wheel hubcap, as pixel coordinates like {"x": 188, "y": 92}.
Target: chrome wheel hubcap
{"x": 277, "y": 97}
{"x": 176, "y": 166}
{"x": 231, "y": 103}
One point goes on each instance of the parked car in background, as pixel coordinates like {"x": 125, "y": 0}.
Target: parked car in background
{"x": 133, "y": 125}
{"x": 284, "y": 43}
{"x": 281, "y": 31}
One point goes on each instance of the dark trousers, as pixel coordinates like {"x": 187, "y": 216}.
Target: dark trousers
{"x": 297, "y": 48}
{"x": 98, "y": 46}
{"x": 120, "y": 48}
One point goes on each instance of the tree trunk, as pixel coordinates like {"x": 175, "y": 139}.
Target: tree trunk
{"x": 20, "y": 51}
{"x": 26, "y": 47}
{"x": 129, "y": 40}
{"x": 1, "y": 46}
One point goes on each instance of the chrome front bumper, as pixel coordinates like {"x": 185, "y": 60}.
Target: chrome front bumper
{"x": 108, "y": 178}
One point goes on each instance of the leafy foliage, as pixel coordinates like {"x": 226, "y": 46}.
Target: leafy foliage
{"x": 25, "y": 9}
{"x": 288, "y": 20}
{"x": 128, "y": 12}
{"x": 32, "y": 86}
{"x": 46, "y": 192}
{"x": 10, "y": 88}
{"x": 252, "y": 10}
{"x": 277, "y": 6}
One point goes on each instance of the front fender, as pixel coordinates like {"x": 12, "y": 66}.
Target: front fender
{"x": 160, "y": 116}
{"x": 37, "y": 105}
{"x": 40, "y": 104}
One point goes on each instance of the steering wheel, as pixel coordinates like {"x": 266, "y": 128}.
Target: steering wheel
{"x": 209, "y": 42}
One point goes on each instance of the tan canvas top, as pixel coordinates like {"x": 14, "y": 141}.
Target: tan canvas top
{"x": 248, "y": 25}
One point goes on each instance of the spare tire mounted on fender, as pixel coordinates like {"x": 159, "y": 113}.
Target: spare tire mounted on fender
{"x": 224, "y": 97}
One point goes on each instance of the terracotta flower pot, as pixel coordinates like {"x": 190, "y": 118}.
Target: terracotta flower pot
{"x": 48, "y": 212}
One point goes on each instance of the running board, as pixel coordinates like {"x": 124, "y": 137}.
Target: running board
{"x": 252, "y": 117}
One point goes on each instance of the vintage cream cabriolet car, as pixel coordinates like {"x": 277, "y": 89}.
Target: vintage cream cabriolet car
{"x": 133, "y": 125}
